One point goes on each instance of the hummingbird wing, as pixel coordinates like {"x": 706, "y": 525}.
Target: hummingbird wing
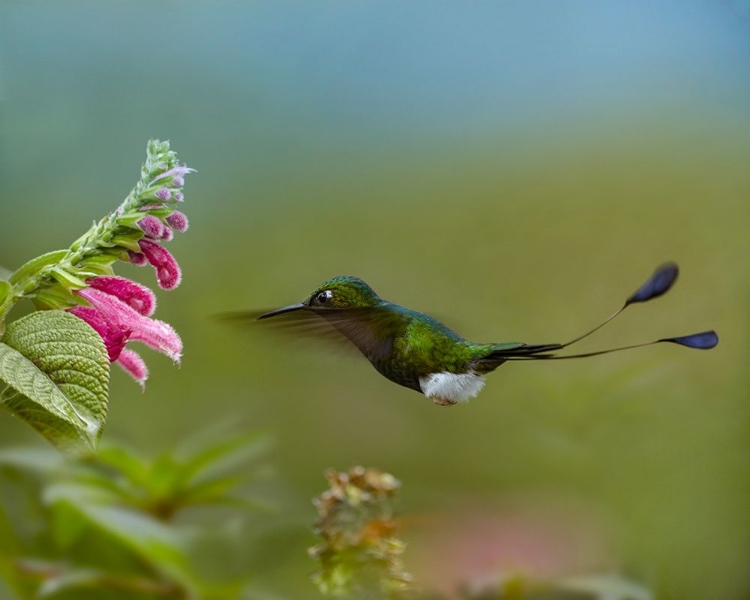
{"x": 370, "y": 329}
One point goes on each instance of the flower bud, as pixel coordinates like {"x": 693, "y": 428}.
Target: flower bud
{"x": 178, "y": 221}
{"x": 152, "y": 227}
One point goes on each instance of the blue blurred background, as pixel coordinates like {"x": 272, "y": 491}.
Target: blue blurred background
{"x": 515, "y": 168}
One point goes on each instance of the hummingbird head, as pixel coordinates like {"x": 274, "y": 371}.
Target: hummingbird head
{"x": 339, "y": 292}
{"x": 342, "y": 292}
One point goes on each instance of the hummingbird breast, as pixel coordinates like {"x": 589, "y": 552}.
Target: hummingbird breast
{"x": 424, "y": 349}
{"x": 398, "y": 372}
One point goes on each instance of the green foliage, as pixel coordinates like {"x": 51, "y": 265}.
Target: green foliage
{"x": 57, "y": 371}
{"x": 105, "y": 526}
{"x": 203, "y": 476}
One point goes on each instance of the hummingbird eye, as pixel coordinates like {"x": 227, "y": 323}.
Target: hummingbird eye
{"x": 323, "y": 297}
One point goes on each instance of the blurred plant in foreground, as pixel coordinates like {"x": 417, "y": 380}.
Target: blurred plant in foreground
{"x": 106, "y": 528}
{"x": 360, "y": 557}
{"x": 56, "y": 364}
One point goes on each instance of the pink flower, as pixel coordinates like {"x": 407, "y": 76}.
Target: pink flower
{"x": 163, "y": 194}
{"x": 135, "y": 295}
{"x": 158, "y": 335}
{"x": 179, "y": 171}
{"x": 115, "y": 337}
{"x": 119, "y": 312}
{"x": 168, "y": 272}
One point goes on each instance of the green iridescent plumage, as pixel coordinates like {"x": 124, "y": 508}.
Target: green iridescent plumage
{"x": 404, "y": 345}
{"x": 419, "y": 352}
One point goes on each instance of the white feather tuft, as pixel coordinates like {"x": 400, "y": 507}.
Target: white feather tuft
{"x": 450, "y": 387}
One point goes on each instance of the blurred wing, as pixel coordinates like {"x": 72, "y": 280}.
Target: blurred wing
{"x": 370, "y": 329}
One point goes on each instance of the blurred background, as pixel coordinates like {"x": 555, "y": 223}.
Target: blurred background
{"x": 513, "y": 168}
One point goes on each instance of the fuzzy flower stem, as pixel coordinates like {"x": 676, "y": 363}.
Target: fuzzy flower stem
{"x": 52, "y": 278}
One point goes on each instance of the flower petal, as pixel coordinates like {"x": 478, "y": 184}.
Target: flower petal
{"x": 135, "y": 295}
{"x": 160, "y": 336}
{"x": 168, "y": 272}
{"x": 156, "y": 334}
{"x": 178, "y": 171}
{"x": 133, "y": 365}
{"x": 114, "y": 336}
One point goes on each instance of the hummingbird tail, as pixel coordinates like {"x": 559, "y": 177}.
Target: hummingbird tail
{"x": 660, "y": 282}
{"x": 705, "y": 340}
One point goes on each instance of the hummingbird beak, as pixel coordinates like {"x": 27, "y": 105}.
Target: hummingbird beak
{"x": 281, "y": 311}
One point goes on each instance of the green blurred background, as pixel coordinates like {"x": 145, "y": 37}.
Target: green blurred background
{"x": 515, "y": 168}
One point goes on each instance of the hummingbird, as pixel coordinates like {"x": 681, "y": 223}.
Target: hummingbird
{"x": 419, "y": 352}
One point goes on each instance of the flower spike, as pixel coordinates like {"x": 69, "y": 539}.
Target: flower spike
{"x": 81, "y": 279}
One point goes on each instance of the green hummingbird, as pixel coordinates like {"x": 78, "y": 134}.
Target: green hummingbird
{"x": 419, "y": 352}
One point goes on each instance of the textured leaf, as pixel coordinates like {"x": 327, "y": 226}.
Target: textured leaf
{"x": 57, "y": 370}
{"x": 50, "y": 412}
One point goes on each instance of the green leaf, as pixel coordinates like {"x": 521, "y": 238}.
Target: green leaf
{"x": 67, "y": 279}
{"x": 35, "y": 265}
{"x": 217, "y": 459}
{"x": 71, "y": 580}
{"x": 66, "y": 525}
{"x": 125, "y": 462}
{"x": 129, "y": 241}
{"x": 39, "y": 461}
{"x": 6, "y": 302}
{"x": 56, "y": 297}
{"x": 155, "y": 543}
{"x": 68, "y": 579}
{"x": 57, "y": 371}
{"x": 5, "y": 290}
